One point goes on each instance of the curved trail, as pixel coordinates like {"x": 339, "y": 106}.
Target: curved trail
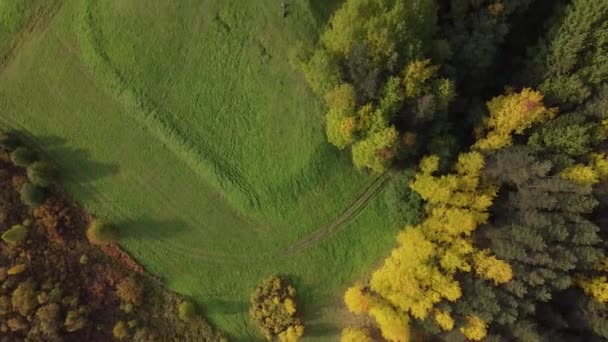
{"x": 316, "y": 237}
{"x": 39, "y": 23}
{"x": 341, "y": 221}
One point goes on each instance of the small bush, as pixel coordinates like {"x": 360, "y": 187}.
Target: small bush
{"x": 101, "y": 233}
{"x": 9, "y": 141}
{"x": 24, "y": 297}
{"x": 129, "y": 291}
{"x": 120, "y": 330}
{"x": 23, "y": 156}
{"x": 187, "y": 311}
{"x": 49, "y": 319}
{"x": 41, "y": 173}
{"x": 15, "y": 235}
{"x": 75, "y": 319}
{"x": 32, "y": 195}
{"x": 273, "y": 308}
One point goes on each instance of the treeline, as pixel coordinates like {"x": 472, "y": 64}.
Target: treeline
{"x": 59, "y": 283}
{"x": 511, "y": 244}
{"x": 381, "y": 90}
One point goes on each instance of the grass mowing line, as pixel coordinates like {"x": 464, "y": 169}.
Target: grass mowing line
{"x": 37, "y": 23}
{"x": 197, "y": 158}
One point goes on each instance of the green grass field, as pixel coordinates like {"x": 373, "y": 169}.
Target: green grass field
{"x": 184, "y": 122}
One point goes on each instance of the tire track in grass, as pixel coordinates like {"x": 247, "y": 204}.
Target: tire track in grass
{"x": 337, "y": 224}
{"x": 38, "y": 22}
{"x": 319, "y": 235}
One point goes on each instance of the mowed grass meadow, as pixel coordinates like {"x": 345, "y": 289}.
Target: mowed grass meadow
{"x": 184, "y": 122}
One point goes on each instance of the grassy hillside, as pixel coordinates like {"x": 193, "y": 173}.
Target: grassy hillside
{"x": 184, "y": 122}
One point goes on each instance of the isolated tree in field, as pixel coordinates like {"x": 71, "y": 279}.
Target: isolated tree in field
{"x": 22, "y": 156}
{"x": 32, "y": 195}
{"x": 273, "y": 309}
{"x": 101, "y": 233}
{"x": 42, "y": 173}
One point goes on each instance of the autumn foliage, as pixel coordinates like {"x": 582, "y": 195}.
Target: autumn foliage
{"x": 273, "y": 309}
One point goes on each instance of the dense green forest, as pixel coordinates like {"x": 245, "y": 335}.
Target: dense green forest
{"x": 495, "y": 115}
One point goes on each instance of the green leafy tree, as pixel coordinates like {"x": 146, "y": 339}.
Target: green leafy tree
{"x": 186, "y": 311}
{"x": 32, "y": 195}
{"x": 42, "y": 173}
{"x": 101, "y": 233}
{"x": 569, "y": 62}
{"x": 377, "y": 151}
{"x": 15, "y": 235}
{"x": 23, "y": 297}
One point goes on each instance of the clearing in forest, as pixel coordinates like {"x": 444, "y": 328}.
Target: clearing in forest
{"x": 184, "y": 122}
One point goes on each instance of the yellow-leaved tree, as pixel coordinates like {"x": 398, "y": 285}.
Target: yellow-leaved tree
{"x": 410, "y": 279}
{"x": 512, "y": 114}
{"x": 356, "y": 301}
{"x": 444, "y": 320}
{"x": 596, "y": 287}
{"x": 489, "y": 267}
{"x": 475, "y": 329}
{"x": 355, "y": 335}
{"x": 393, "y": 325}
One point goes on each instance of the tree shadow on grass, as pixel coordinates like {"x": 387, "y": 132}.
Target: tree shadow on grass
{"x": 151, "y": 229}
{"x": 311, "y": 311}
{"x": 85, "y": 169}
{"x": 220, "y": 306}
{"x": 323, "y": 9}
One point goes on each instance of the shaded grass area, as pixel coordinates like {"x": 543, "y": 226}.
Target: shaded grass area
{"x": 138, "y": 109}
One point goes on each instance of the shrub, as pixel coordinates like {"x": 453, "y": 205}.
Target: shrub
{"x": 273, "y": 308}
{"x": 49, "y": 319}
{"x": 24, "y": 297}
{"x": 129, "y": 291}
{"x": 41, "y": 173}
{"x": 32, "y": 195}
{"x": 120, "y": 330}
{"x": 75, "y": 319}
{"x": 186, "y": 311}
{"x": 9, "y": 141}
{"x": 22, "y": 156}
{"x": 101, "y": 233}
{"x": 15, "y": 235}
